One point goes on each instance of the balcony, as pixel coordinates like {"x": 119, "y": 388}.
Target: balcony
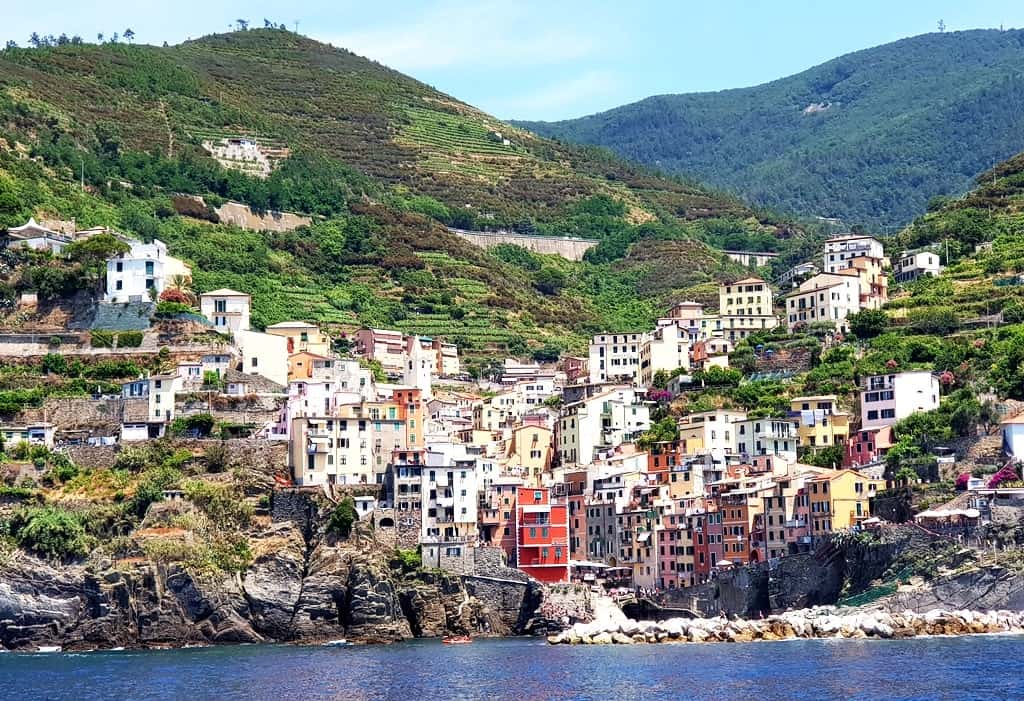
{"x": 796, "y": 523}
{"x": 446, "y": 539}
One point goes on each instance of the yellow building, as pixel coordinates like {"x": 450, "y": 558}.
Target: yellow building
{"x": 302, "y": 337}
{"x": 746, "y": 307}
{"x": 820, "y": 423}
{"x": 840, "y": 499}
{"x": 531, "y": 449}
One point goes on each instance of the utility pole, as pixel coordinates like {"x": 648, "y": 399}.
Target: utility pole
{"x": 296, "y": 26}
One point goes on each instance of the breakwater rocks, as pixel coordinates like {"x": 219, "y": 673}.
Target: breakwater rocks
{"x": 824, "y": 622}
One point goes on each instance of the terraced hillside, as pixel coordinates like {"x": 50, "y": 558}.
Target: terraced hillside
{"x": 316, "y": 98}
{"x": 381, "y": 162}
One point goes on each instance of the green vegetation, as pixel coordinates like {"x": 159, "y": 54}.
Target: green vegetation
{"x": 343, "y": 518}
{"x": 384, "y": 160}
{"x": 870, "y": 137}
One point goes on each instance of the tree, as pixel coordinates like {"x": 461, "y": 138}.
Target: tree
{"x": 129, "y": 35}
{"x": 664, "y": 431}
{"x": 34, "y": 40}
{"x": 94, "y": 252}
{"x": 343, "y": 517}
{"x": 11, "y": 44}
{"x": 549, "y": 280}
{"x": 868, "y": 323}
{"x": 549, "y": 353}
{"x": 99, "y": 37}
{"x": 242, "y": 24}
{"x": 267, "y": 24}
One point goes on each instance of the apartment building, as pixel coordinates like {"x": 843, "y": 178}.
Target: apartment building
{"x": 542, "y": 535}
{"x": 226, "y": 309}
{"x": 667, "y": 348}
{"x": 746, "y": 307}
{"x": 840, "y": 250}
{"x": 885, "y": 399}
{"x": 615, "y": 357}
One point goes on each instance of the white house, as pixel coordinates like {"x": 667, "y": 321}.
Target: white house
{"x": 419, "y": 366}
{"x": 600, "y": 423}
{"x": 765, "y": 436}
{"x": 141, "y": 272}
{"x": 615, "y": 357}
{"x": 914, "y": 264}
{"x": 450, "y": 492}
{"x": 1013, "y": 437}
{"x": 148, "y": 406}
{"x": 666, "y": 348}
{"x": 36, "y": 237}
{"x": 885, "y": 399}
{"x": 226, "y": 309}
{"x": 839, "y": 250}
{"x": 824, "y": 297}
{"x": 263, "y": 354}
{"x": 40, "y": 433}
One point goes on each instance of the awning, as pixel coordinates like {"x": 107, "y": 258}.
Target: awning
{"x": 641, "y": 537}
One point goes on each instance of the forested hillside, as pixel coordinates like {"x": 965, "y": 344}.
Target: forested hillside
{"x": 868, "y": 137}
{"x": 383, "y": 163}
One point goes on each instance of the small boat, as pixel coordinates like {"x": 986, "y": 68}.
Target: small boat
{"x": 49, "y": 648}
{"x": 457, "y": 640}
{"x": 337, "y": 643}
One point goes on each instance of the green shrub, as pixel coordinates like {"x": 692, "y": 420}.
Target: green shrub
{"x": 101, "y": 338}
{"x": 168, "y": 309}
{"x": 343, "y": 517}
{"x": 50, "y": 532}
{"x": 129, "y": 339}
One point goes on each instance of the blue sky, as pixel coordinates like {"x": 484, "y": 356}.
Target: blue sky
{"x": 546, "y": 59}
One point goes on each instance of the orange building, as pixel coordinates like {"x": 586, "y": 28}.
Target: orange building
{"x": 542, "y": 535}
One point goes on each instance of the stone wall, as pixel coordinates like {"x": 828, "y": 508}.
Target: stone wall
{"x": 92, "y": 456}
{"x": 565, "y": 246}
{"x": 101, "y": 416}
{"x": 243, "y": 217}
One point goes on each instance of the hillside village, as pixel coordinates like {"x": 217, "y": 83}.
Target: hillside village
{"x": 654, "y": 462}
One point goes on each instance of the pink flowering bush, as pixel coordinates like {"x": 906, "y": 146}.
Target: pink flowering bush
{"x": 962, "y": 480}
{"x": 1007, "y": 474}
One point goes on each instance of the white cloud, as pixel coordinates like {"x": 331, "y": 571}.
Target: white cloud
{"x": 556, "y": 100}
{"x": 481, "y": 35}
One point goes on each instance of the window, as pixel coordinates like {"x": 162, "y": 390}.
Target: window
{"x": 119, "y": 267}
{"x": 149, "y": 267}
{"x": 220, "y": 305}
{"x": 119, "y": 285}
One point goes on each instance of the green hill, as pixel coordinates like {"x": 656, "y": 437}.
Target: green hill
{"x": 868, "y": 137}
{"x": 381, "y": 161}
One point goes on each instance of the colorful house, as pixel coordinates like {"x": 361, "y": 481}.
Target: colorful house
{"x": 542, "y": 535}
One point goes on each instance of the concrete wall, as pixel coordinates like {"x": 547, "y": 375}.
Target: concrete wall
{"x": 565, "y": 246}
{"x": 243, "y": 217}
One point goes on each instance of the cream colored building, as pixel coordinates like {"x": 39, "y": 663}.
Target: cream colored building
{"x": 264, "y": 354}
{"x": 302, "y": 337}
{"x": 746, "y": 307}
{"x": 666, "y": 348}
{"x": 826, "y": 297}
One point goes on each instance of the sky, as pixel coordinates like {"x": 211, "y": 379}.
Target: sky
{"x": 545, "y": 59}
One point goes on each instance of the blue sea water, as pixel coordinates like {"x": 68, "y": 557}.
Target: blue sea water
{"x": 958, "y": 669}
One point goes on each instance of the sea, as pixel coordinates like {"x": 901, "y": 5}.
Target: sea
{"x": 956, "y": 668}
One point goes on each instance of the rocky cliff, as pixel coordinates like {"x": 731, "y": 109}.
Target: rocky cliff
{"x": 294, "y": 591}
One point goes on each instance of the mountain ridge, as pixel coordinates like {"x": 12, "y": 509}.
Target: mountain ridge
{"x": 867, "y": 155}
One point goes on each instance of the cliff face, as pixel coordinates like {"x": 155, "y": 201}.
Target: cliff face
{"x": 290, "y": 594}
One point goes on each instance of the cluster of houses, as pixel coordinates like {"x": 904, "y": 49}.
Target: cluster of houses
{"x": 553, "y": 465}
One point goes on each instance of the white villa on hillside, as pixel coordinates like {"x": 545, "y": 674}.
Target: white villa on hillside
{"x": 146, "y": 267}
{"x": 226, "y": 309}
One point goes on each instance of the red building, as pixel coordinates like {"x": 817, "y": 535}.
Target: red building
{"x": 866, "y": 447}
{"x": 706, "y": 525}
{"x": 542, "y": 535}
{"x": 572, "y": 493}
